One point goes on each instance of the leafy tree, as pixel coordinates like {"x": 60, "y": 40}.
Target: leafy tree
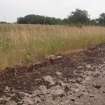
{"x": 37, "y": 19}
{"x": 21, "y": 20}
{"x": 78, "y": 17}
{"x": 93, "y": 22}
{"x": 3, "y": 22}
{"x": 101, "y": 19}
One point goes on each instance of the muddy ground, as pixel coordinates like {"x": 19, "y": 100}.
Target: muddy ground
{"x": 76, "y": 79}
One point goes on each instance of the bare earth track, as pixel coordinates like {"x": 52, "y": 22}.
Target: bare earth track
{"x": 76, "y": 79}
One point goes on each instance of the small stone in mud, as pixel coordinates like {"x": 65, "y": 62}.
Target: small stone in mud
{"x": 59, "y": 57}
{"x": 43, "y": 89}
{"x": 88, "y": 66}
{"x": 97, "y": 86}
{"x": 49, "y": 79}
{"x": 79, "y": 67}
{"x": 57, "y": 91}
{"x": 53, "y": 57}
{"x": 73, "y": 99}
{"x": 58, "y": 73}
{"x": 7, "y": 89}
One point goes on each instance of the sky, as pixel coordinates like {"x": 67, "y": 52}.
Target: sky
{"x": 11, "y": 9}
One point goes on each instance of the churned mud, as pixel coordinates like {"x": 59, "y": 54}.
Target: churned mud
{"x": 76, "y": 79}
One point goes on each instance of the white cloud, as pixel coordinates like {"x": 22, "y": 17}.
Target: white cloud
{"x": 11, "y": 9}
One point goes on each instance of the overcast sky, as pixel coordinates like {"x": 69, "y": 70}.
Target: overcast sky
{"x": 11, "y": 9}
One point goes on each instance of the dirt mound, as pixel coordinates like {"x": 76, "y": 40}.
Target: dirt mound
{"x": 76, "y": 79}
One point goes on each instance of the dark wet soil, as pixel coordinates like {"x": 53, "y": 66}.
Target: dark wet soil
{"x": 75, "y": 79}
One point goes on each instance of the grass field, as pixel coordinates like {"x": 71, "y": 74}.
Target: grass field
{"x": 22, "y": 44}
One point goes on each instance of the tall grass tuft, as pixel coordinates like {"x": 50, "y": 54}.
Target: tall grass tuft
{"x": 22, "y": 44}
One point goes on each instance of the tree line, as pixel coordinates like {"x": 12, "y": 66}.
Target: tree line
{"x": 77, "y": 17}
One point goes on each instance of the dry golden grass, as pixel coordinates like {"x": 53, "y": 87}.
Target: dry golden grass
{"x": 28, "y": 43}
